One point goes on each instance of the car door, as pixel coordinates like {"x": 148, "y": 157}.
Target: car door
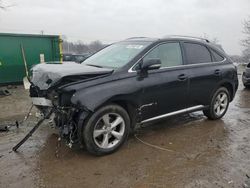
{"x": 204, "y": 65}
{"x": 164, "y": 89}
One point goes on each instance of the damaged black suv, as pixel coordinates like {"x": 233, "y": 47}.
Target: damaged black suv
{"x": 135, "y": 81}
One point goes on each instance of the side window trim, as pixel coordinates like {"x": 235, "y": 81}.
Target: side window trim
{"x": 151, "y": 49}
{"x": 215, "y": 51}
{"x": 184, "y": 59}
{"x": 213, "y": 57}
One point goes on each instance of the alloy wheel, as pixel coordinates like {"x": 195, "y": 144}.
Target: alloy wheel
{"x": 221, "y": 103}
{"x": 109, "y": 130}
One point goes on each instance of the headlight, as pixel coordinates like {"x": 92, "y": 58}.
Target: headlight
{"x": 65, "y": 98}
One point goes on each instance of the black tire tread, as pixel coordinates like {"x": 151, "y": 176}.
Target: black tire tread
{"x": 209, "y": 113}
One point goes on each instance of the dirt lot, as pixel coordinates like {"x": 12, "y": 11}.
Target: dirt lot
{"x": 198, "y": 152}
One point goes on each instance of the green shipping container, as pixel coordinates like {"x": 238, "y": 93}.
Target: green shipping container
{"x": 36, "y": 49}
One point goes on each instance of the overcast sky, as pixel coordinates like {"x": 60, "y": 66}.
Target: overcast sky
{"x": 114, "y": 20}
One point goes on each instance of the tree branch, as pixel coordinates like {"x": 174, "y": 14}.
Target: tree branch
{"x": 4, "y": 7}
{"x": 246, "y": 30}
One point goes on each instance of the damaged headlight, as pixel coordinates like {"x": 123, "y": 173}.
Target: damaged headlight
{"x": 65, "y": 98}
{"x": 54, "y": 97}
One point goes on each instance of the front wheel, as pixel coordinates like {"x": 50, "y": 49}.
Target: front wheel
{"x": 106, "y": 130}
{"x": 218, "y": 105}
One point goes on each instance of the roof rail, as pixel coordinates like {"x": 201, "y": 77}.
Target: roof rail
{"x": 188, "y": 37}
{"x": 136, "y": 38}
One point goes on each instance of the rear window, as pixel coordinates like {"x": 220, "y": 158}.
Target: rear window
{"x": 197, "y": 53}
{"x": 216, "y": 57}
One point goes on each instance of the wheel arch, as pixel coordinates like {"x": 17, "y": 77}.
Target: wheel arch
{"x": 230, "y": 89}
{"x": 129, "y": 106}
{"x": 227, "y": 85}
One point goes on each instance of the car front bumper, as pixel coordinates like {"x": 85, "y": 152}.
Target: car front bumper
{"x": 41, "y": 101}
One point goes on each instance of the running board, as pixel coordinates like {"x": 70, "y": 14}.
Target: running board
{"x": 186, "y": 110}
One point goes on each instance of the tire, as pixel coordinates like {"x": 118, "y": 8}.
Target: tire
{"x": 218, "y": 108}
{"x": 106, "y": 130}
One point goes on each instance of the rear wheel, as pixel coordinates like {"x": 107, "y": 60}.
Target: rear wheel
{"x": 106, "y": 130}
{"x": 219, "y": 104}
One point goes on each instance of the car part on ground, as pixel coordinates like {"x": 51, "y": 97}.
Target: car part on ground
{"x": 131, "y": 82}
{"x": 4, "y": 127}
{"x": 15, "y": 148}
{"x": 5, "y": 92}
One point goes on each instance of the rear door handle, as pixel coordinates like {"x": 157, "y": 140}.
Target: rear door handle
{"x": 182, "y": 77}
{"x": 217, "y": 72}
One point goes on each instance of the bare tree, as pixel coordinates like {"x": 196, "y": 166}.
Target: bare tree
{"x": 246, "y": 55}
{"x": 246, "y": 41}
{"x": 215, "y": 40}
{"x": 237, "y": 58}
{"x": 246, "y": 31}
{"x": 3, "y": 6}
{"x": 95, "y": 46}
{"x": 80, "y": 47}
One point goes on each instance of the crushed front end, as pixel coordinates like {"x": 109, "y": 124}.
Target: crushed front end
{"x": 47, "y": 93}
{"x": 65, "y": 115}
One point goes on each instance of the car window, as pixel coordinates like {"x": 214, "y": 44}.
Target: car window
{"x": 116, "y": 55}
{"x": 197, "y": 53}
{"x": 169, "y": 54}
{"x": 67, "y": 57}
{"x": 79, "y": 58}
{"x": 216, "y": 57}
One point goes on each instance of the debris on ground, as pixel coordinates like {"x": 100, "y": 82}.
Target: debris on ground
{"x": 4, "y": 127}
{"x": 4, "y": 92}
{"x": 11, "y": 86}
{"x": 7, "y": 126}
{"x": 246, "y": 184}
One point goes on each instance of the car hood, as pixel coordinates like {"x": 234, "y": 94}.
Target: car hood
{"x": 45, "y": 75}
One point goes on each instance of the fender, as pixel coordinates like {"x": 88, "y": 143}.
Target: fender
{"x": 93, "y": 97}
{"x": 227, "y": 83}
{"x": 229, "y": 80}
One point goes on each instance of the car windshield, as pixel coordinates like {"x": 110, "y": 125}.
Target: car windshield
{"x": 116, "y": 55}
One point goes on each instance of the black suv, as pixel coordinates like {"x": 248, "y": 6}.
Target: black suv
{"x": 134, "y": 81}
{"x": 246, "y": 76}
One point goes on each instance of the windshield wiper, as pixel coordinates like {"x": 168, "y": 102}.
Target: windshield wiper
{"x": 94, "y": 65}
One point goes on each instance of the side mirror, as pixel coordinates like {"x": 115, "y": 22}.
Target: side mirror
{"x": 150, "y": 64}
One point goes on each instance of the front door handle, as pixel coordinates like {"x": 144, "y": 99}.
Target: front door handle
{"x": 217, "y": 72}
{"x": 182, "y": 77}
